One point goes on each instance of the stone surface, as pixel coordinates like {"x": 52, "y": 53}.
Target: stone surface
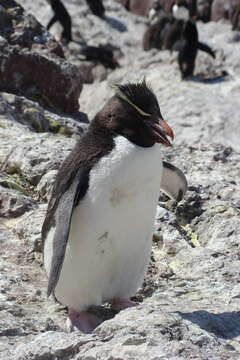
{"x": 189, "y": 302}
{"x": 32, "y": 63}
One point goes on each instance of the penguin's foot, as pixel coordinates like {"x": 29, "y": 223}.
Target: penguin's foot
{"x": 83, "y": 321}
{"x": 119, "y": 304}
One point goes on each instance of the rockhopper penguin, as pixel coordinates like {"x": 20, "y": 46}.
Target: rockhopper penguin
{"x": 98, "y": 228}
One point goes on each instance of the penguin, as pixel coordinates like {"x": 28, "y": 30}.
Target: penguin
{"x": 155, "y": 11}
{"x": 61, "y": 14}
{"x": 188, "y": 47}
{"x": 173, "y": 34}
{"x": 235, "y": 18}
{"x": 155, "y": 33}
{"x": 97, "y": 8}
{"x": 99, "y": 222}
{"x": 102, "y": 53}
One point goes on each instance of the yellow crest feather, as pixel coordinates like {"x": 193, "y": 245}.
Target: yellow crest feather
{"x": 124, "y": 97}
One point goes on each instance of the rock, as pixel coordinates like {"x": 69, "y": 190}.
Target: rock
{"x": 189, "y": 301}
{"x": 46, "y": 183}
{"x": 21, "y": 120}
{"x": 13, "y": 203}
{"x": 28, "y": 55}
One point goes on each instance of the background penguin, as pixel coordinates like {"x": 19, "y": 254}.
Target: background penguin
{"x": 61, "y": 14}
{"x": 102, "y": 53}
{"x": 235, "y": 18}
{"x": 98, "y": 227}
{"x": 188, "y": 47}
{"x": 155, "y": 11}
{"x": 154, "y": 35}
{"x": 173, "y": 35}
{"x": 97, "y": 8}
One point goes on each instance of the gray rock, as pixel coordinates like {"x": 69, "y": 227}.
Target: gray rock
{"x": 26, "y": 58}
{"x": 190, "y": 297}
{"x": 14, "y": 203}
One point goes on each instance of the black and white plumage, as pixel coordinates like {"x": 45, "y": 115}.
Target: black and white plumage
{"x": 188, "y": 47}
{"x": 96, "y": 7}
{"x": 98, "y": 228}
{"x": 181, "y": 10}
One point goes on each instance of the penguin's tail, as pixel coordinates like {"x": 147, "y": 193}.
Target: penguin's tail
{"x": 206, "y": 48}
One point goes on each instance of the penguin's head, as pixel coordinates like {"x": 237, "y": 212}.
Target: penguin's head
{"x": 135, "y": 114}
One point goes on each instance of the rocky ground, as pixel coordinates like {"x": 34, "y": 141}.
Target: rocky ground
{"x": 191, "y": 295}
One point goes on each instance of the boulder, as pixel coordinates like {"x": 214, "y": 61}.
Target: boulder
{"x": 32, "y": 63}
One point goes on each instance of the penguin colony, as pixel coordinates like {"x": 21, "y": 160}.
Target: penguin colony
{"x": 176, "y": 31}
{"x": 171, "y": 26}
{"x": 99, "y": 223}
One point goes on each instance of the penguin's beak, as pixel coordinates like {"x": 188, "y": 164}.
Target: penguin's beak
{"x": 160, "y": 131}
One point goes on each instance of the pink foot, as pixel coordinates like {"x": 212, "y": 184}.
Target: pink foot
{"x": 83, "y": 321}
{"x": 119, "y": 304}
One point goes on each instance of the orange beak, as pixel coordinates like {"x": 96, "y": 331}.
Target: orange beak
{"x": 160, "y": 132}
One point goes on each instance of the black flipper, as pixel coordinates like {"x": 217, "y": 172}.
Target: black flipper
{"x": 70, "y": 187}
{"x": 62, "y": 220}
{"x": 206, "y": 48}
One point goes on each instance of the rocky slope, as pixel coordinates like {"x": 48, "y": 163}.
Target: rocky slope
{"x": 191, "y": 295}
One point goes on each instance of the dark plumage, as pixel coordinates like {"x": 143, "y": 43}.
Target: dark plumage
{"x": 188, "y": 48}
{"x": 155, "y": 34}
{"x": 61, "y": 14}
{"x": 235, "y": 18}
{"x": 204, "y": 10}
{"x": 140, "y": 95}
{"x": 173, "y": 35}
{"x": 101, "y": 53}
{"x": 96, "y": 7}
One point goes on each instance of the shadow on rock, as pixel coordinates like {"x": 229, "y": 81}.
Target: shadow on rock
{"x": 116, "y": 24}
{"x": 214, "y": 79}
{"x": 225, "y": 325}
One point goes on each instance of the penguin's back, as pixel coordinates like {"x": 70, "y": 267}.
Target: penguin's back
{"x": 109, "y": 242}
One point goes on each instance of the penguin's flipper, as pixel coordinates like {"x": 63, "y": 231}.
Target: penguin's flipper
{"x": 59, "y": 219}
{"x": 206, "y": 48}
{"x": 173, "y": 183}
